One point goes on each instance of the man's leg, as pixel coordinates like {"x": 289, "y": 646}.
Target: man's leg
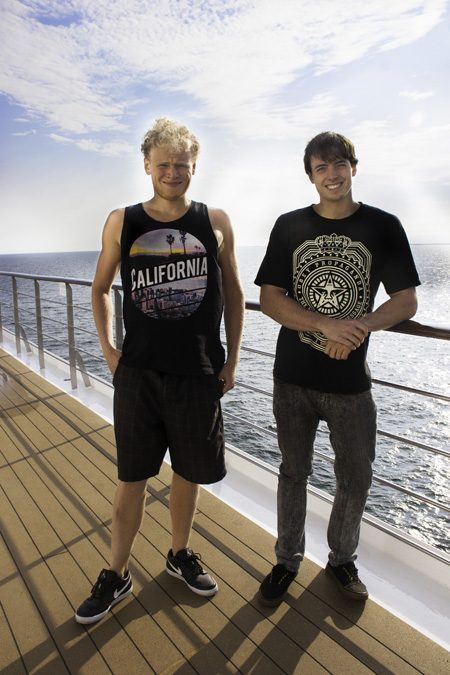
{"x": 182, "y": 563}
{"x": 128, "y": 509}
{"x": 352, "y": 423}
{"x": 297, "y": 422}
{"x": 195, "y": 429}
{"x": 183, "y": 502}
{"x": 115, "y": 584}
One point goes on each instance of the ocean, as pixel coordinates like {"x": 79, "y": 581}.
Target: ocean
{"x": 416, "y": 362}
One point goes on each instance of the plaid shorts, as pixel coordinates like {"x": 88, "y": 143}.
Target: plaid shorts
{"x": 154, "y": 411}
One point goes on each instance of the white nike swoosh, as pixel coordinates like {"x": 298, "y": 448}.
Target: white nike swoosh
{"x": 117, "y": 592}
{"x": 177, "y": 569}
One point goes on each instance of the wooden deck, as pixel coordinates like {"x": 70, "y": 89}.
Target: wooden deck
{"x": 57, "y": 478}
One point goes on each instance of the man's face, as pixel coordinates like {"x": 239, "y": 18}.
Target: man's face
{"x": 332, "y": 178}
{"x": 171, "y": 172}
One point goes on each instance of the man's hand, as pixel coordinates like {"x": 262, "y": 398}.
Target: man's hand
{"x": 227, "y": 377}
{"x": 336, "y": 350}
{"x": 348, "y": 332}
{"x": 112, "y": 357}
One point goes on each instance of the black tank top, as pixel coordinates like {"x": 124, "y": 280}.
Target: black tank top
{"x": 172, "y": 292}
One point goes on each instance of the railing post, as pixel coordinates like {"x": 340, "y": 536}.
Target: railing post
{"x": 40, "y": 334}
{"x": 1, "y": 320}
{"x": 82, "y": 369}
{"x": 71, "y": 336}
{"x": 16, "y": 314}
{"x": 118, "y": 318}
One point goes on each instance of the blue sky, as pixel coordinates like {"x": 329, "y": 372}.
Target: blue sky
{"x": 81, "y": 82}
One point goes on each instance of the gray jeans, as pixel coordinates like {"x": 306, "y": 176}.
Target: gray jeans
{"x": 351, "y": 420}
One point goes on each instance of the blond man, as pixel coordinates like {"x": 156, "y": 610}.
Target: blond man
{"x": 177, "y": 263}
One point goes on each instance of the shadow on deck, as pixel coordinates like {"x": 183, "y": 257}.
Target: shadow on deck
{"x": 57, "y": 478}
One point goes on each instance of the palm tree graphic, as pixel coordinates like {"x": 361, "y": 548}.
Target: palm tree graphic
{"x": 183, "y": 239}
{"x": 170, "y": 239}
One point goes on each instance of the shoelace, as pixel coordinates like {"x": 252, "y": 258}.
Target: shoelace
{"x": 351, "y": 572}
{"x": 97, "y": 587}
{"x": 95, "y": 592}
{"x": 283, "y": 576}
{"x": 192, "y": 560}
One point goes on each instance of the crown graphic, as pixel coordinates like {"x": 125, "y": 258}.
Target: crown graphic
{"x": 333, "y": 243}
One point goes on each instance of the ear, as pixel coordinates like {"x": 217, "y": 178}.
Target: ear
{"x": 310, "y": 176}
{"x": 193, "y": 168}
{"x": 147, "y": 166}
{"x": 354, "y": 170}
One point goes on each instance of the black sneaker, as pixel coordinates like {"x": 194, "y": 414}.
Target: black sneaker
{"x": 185, "y": 565}
{"x": 108, "y": 590}
{"x": 275, "y": 585}
{"x": 347, "y": 580}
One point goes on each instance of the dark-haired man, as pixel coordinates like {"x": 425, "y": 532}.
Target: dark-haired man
{"x": 318, "y": 279}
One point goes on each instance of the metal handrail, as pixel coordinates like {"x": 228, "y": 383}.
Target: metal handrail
{"x": 376, "y": 479}
{"x": 77, "y": 365}
{"x": 411, "y": 390}
{"x": 406, "y": 327}
{"x": 409, "y": 327}
{"x": 387, "y": 434}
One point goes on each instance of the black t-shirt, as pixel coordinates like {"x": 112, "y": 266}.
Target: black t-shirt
{"x": 334, "y": 267}
{"x": 172, "y": 292}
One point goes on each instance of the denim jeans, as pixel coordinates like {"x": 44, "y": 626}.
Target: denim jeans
{"x": 351, "y": 420}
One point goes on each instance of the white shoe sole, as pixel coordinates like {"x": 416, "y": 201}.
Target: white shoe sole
{"x": 205, "y": 593}
{"x": 93, "y": 619}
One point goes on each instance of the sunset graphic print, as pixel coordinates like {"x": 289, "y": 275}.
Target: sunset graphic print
{"x": 169, "y": 273}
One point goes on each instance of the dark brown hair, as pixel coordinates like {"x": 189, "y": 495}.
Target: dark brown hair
{"x": 329, "y": 145}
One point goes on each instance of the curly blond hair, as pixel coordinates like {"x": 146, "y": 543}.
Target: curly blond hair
{"x": 168, "y": 133}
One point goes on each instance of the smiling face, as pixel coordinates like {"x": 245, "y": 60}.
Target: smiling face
{"x": 171, "y": 172}
{"x": 332, "y": 178}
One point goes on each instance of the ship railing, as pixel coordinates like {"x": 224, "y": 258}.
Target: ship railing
{"x": 56, "y": 323}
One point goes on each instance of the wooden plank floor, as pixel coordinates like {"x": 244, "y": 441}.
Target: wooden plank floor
{"x": 57, "y": 479}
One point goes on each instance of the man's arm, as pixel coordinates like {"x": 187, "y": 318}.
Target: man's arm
{"x": 233, "y": 295}
{"x": 107, "y": 266}
{"x": 401, "y": 306}
{"x": 289, "y": 313}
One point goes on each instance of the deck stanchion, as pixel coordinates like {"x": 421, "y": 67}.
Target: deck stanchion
{"x": 1, "y": 323}
{"x": 71, "y": 337}
{"x": 16, "y": 314}
{"x": 40, "y": 334}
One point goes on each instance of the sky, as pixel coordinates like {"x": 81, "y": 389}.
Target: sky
{"x": 81, "y": 82}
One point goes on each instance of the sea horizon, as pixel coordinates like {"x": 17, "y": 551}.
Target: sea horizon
{"x": 238, "y": 246}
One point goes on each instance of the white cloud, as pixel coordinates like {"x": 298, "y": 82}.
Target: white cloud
{"x": 61, "y": 139}
{"x": 238, "y": 60}
{"x": 284, "y": 122}
{"x": 416, "y": 95}
{"x": 48, "y": 70}
{"x": 112, "y": 148}
{"x": 30, "y": 132}
{"x": 416, "y": 119}
{"x": 409, "y": 156}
